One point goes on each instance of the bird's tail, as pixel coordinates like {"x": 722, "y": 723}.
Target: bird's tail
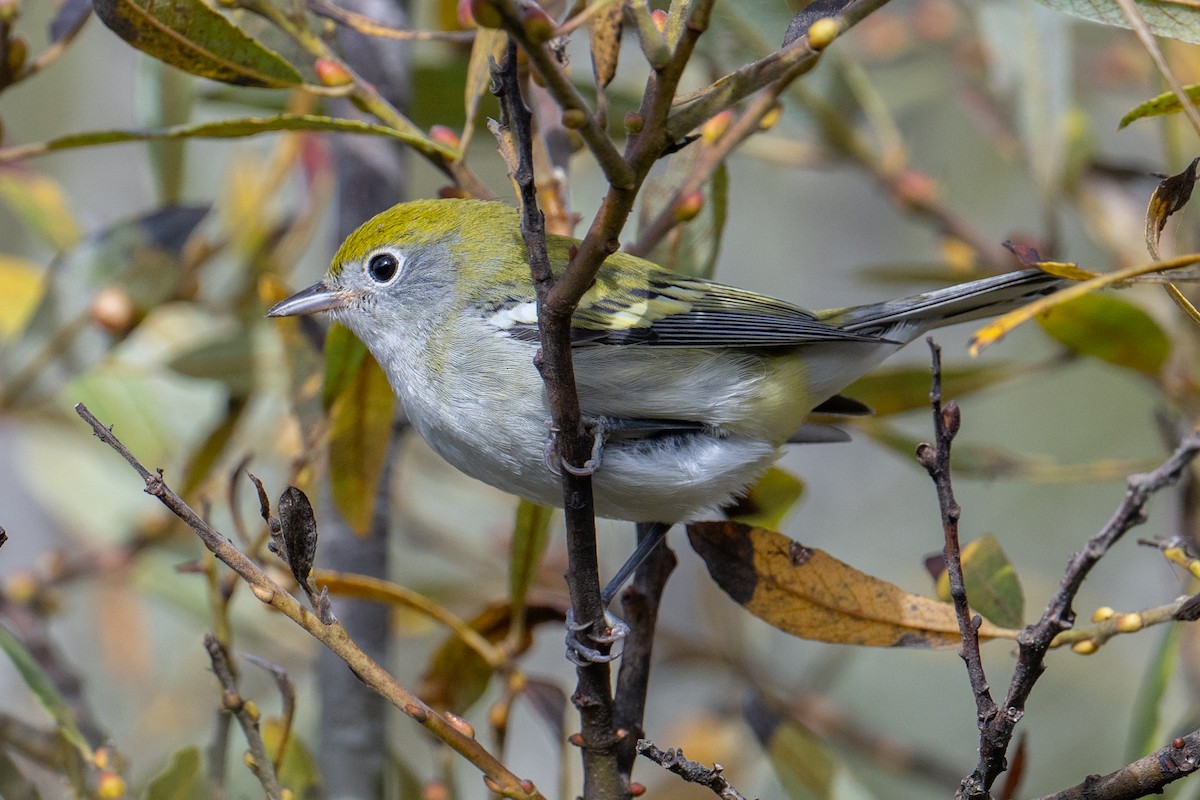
{"x": 909, "y": 317}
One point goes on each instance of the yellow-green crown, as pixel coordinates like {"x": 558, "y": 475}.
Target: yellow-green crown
{"x": 423, "y": 222}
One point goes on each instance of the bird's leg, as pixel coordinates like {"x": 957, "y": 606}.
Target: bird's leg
{"x": 615, "y": 629}
{"x": 556, "y": 463}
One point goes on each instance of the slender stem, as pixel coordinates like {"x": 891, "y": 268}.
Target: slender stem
{"x": 333, "y": 636}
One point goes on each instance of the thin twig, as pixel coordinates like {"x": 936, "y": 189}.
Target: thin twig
{"x": 1144, "y": 777}
{"x": 1036, "y": 639}
{"x": 936, "y": 460}
{"x": 247, "y": 716}
{"x": 691, "y": 771}
{"x": 287, "y": 691}
{"x": 593, "y": 694}
{"x": 498, "y": 777}
{"x": 639, "y": 606}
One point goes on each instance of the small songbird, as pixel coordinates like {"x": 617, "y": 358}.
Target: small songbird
{"x": 691, "y": 386}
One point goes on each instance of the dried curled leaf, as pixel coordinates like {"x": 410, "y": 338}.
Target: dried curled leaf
{"x": 605, "y": 35}
{"x": 298, "y": 528}
{"x": 1171, "y": 194}
{"x": 808, "y": 593}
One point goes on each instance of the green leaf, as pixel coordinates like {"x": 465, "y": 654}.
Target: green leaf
{"x": 1110, "y": 329}
{"x": 182, "y": 779}
{"x": 1173, "y": 20}
{"x": 1165, "y": 103}
{"x": 800, "y": 759}
{"x": 344, "y": 354}
{"x": 768, "y": 500}
{"x": 531, "y": 532}
{"x": 298, "y": 769}
{"x": 196, "y": 38}
{"x": 225, "y": 129}
{"x": 13, "y": 784}
{"x": 718, "y": 204}
{"x": 44, "y": 691}
{"x": 992, "y": 585}
{"x": 229, "y": 359}
{"x": 360, "y": 428}
{"x": 894, "y": 390}
{"x": 1145, "y": 724}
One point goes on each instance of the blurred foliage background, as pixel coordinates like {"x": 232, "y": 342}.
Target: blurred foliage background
{"x": 146, "y": 270}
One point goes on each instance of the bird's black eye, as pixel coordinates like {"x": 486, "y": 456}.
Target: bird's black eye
{"x": 383, "y": 267}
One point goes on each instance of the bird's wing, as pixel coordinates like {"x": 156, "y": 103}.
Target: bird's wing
{"x": 634, "y": 303}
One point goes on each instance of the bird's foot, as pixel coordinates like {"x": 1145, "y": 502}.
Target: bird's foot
{"x": 581, "y": 654}
{"x": 556, "y": 463}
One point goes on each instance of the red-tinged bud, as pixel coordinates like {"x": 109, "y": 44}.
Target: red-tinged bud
{"x": 576, "y": 739}
{"x": 637, "y": 789}
{"x": 714, "y": 128}
{"x": 459, "y": 724}
{"x": 914, "y": 188}
{"x": 112, "y": 309}
{"x": 822, "y": 33}
{"x": 660, "y": 19}
{"x": 1178, "y": 744}
{"x": 688, "y": 206}
{"x": 485, "y": 13}
{"x": 528, "y": 787}
{"x": 463, "y": 11}
{"x": 539, "y": 26}
{"x": 443, "y": 134}
{"x": 435, "y": 790}
{"x": 331, "y": 73}
{"x": 110, "y": 786}
{"x": 634, "y": 122}
{"x": 574, "y": 118}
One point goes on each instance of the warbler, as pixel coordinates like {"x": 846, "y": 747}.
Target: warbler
{"x": 691, "y": 387}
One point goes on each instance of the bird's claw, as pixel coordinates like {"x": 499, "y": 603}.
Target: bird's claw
{"x": 581, "y": 654}
{"x": 556, "y": 463}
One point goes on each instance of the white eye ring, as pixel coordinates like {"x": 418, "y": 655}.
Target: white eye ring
{"x": 384, "y": 267}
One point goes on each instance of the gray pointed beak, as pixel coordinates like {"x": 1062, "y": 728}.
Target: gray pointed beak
{"x": 315, "y": 298}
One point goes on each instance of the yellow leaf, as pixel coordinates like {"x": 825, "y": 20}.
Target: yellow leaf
{"x": 489, "y": 44}
{"x": 995, "y": 330}
{"x": 39, "y": 202}
{"x": 360, "y": 427}
{"x": 810, "y": 594}
{"x": 22, "y": 284}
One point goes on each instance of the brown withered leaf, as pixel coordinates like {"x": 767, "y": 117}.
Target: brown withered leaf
{"x": 808, "y": 593}
{"x": 457, "y": 676}
{"x": 605, "y": 34}
{"x": 1171, "y": 194}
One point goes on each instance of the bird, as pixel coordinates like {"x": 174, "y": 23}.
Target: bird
{"x": 690, "y": 386}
